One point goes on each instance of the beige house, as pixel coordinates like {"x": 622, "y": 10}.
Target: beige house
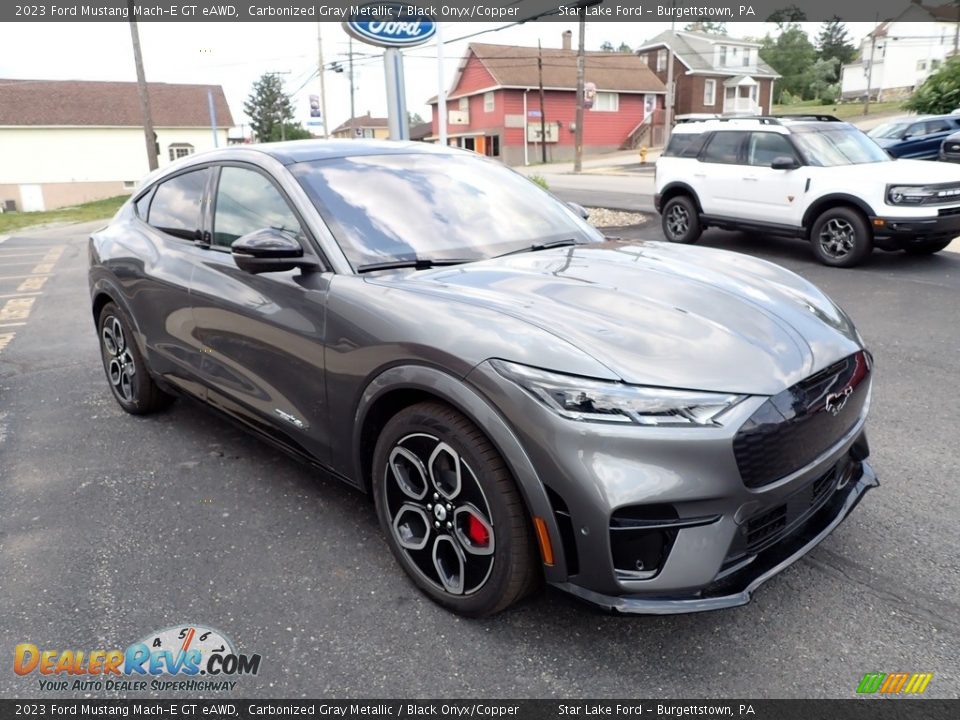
{"x": 64, "y": 142}
{"x": 363, "y": 127}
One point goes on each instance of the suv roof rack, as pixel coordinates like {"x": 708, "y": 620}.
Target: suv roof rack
{"x": 810, "y": 116}
{"x": 776, "y": 119}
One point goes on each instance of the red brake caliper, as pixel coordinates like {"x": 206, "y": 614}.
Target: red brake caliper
{"x": 476, "y": 531}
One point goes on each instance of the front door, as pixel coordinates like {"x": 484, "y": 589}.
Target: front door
{"x": 263, "y": 335}
{"x": 718, "y": 177}
{"x": 772, "y": 196}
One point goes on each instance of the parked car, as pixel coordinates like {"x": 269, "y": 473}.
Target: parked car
{"x": 950, "y": 148}
{"x": 915, "y": 137}
{"x": 651, "y": 427}
{"x": 810, "y": 177}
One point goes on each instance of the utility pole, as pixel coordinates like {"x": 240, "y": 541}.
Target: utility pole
{"x": 323, "y": 86}
{"x": 149, "y": 136}
{"x": 956, "y": 32}
{"x": 543, "y": 114}
{"x": 578, "y": 132}
{"x": 873, "y": 45}
{"x": 353, "y": 112}
{"x": 668, "y": 110}
{"x": 442, "y": 93}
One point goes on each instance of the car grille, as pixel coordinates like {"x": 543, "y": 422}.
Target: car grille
{"x": 772, "y": 525}
{"x": 792, "y": 429}
{"x": 948, "y": 211}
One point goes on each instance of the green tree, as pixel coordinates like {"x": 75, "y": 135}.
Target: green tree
{"x": 291, "y": 131}
{"x": 414, "y": 119}
{"x": 606, "y": 46}
{"x": 624, "y": 48}
{"x": 792, "y": 55}
{"x": 940, "y": 93}
{"x": 711, "y": 28}
{"x": 268, "y": 106}
{"x": 823, "y": 79}
{"x": 834, "y": 43}
{"x": 785, "y": 17}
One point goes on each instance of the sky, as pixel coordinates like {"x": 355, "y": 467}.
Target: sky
{"x": 235, "y": 55}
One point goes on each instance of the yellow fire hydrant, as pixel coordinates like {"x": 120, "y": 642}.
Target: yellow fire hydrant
{"x": 643, "y": 154}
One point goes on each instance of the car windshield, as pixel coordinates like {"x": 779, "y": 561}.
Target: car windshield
{"x": 892, "y": 130}
{"x": 837, "y": 146}
{"x": 395, "y": 207}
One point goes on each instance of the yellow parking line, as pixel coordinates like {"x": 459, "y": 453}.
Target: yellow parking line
{"x": 5, "y": 339}
{"x": 16, "y": 309}
{"x": 31, "y": 283}
{"x": 43, "y": 267}
{"x": 54, "y": 253}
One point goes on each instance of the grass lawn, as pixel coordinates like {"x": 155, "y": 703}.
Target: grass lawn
{"x": 844, "y": 111}
{"x": 78, "y": 213}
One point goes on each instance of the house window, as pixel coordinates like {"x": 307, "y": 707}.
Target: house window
{"x": 746, "y": 58}
{"x": 606, "y": 102}
{"x": 661, "y": 60}
{"x": 464, "y": 104}
{"x": 921, "y": 64}
{"x": 488, "y": 102}
{"x": 709, "y": 91}
{"x": 723, "y": 55}
{"x": 180, "y": 150}
{"x": 935, "y": 64}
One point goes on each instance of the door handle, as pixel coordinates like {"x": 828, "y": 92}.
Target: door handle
{"x": 699, "y": 175}
{"x": 751, "y": 178}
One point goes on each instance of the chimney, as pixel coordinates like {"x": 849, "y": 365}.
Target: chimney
{"x": 567, "y": 40}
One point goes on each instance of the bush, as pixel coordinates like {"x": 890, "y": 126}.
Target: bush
{"x": 540, "y": 180}
{"x": 940, "y": 93}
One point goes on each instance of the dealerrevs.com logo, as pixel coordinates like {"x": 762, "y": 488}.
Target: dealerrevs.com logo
{"x": 182, "y": 658}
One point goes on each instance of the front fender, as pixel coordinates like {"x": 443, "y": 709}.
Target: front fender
{"x": 468, "y": 401}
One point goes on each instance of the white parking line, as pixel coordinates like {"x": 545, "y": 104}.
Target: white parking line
{"x": 20, "y": 294}
{"x": 3, "y": 325}
{"x": 5, "y": 254}
{"x": 17, "y": 277}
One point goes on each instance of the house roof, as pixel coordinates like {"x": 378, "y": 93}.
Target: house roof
{"x": 421, "y": 130}
{"x": 516, "y": 67}
{"x": 695, "y": 50}
{"x": 363, "y": 121}
{"x": 949, "y": 11}
{"x": 86, "y": 103}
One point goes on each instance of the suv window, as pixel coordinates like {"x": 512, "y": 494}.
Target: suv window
{"x": 935, "y": 126}
{"x": 247, "y": 201}
{"x": 685, "y": 145}
{"x": 724, "y": 147}
{"x": 764, "y": 147}
{"x": 916, "y": 130}
{"x": 175, "y": 208}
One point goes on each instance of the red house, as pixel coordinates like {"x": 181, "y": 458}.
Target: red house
{"x": 493, "y": 106}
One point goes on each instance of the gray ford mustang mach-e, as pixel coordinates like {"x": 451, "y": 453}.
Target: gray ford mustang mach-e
{"x": 654, "y": 428}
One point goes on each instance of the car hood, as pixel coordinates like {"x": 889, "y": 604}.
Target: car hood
{"x": 660, "y": 314}
{"x": 922, "y": 172}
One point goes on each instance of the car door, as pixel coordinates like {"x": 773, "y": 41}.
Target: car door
{"x": 263, "y": 334}
{"x": 720, "y": 173}
{"x": 922, "y": 139}
{"x": 773, "y": 197}
{"x": 156, "y": 275}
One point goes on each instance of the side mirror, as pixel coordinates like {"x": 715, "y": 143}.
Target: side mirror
{"x": 784, "y": 162}
{"x": 269, "y": 250}
{"x": 579, "y": 210}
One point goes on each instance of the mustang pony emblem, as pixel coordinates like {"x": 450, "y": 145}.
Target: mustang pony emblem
{"x": 836, "y": 401}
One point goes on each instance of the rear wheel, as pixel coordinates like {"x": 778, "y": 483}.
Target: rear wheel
{"x": 680, "y": 220}
{"x": 131, "y": 384}
{"x": 927, "y": 248}
{"x": 841, "y": 238}
{"x": 451, "y": 511}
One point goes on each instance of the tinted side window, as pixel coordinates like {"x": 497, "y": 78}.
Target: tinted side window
{"x": 724, "y": 147}
{"x": 143, "y": 204}
{"x": 764, "y": 147}
{"x": 248, "y": 201}
{"x": 176, "y": 204}
{"x": 935, "y": 126}
{"x": 916, "y": 130}
{"x": 684, "y": 145}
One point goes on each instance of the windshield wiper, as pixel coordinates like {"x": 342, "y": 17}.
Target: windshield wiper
{"x": 543, "y": 246}
{"x": 418, "y": 263}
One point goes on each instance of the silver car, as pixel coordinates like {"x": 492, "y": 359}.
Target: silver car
{"x": 651, "y": 427}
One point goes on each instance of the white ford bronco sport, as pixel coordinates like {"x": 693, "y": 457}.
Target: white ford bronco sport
{"x": 812, "y": 177}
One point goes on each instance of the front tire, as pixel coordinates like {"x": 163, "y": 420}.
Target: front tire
{"x": 841, "y": 238}
{"x": 680, "y": 220}
{"x": 131, "y": 384}
{"x": 927, "y": 248}
{"x": 451, "y": 512}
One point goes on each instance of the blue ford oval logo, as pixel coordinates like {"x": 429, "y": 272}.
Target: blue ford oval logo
{"x": 390, "y": 25}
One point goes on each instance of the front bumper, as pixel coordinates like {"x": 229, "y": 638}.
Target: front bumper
{"x": 893, "y": 233}
{"x": 736, "y": 588}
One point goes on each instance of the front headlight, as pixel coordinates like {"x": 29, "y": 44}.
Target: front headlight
{"x": 587, "y": 400}
{"x": 920, "y": 194}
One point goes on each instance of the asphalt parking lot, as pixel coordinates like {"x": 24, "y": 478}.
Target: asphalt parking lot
{"x": 114, "y": 526}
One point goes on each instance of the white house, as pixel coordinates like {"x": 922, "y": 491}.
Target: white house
{"x": 64, "y": 142}
{"x": 906, "y": 49}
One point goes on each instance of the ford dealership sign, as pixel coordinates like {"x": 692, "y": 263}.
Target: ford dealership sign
{"x": 390, "y": 25}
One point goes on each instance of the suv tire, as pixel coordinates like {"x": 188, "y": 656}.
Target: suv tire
{"x": 841, "y": 237}
{"x": 680, "y": 220}
{"x": 451, "y": 511}
{"x": 130, "y": 381}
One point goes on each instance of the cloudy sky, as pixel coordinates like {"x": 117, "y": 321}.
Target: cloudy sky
{"x": 234, "y": 55}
